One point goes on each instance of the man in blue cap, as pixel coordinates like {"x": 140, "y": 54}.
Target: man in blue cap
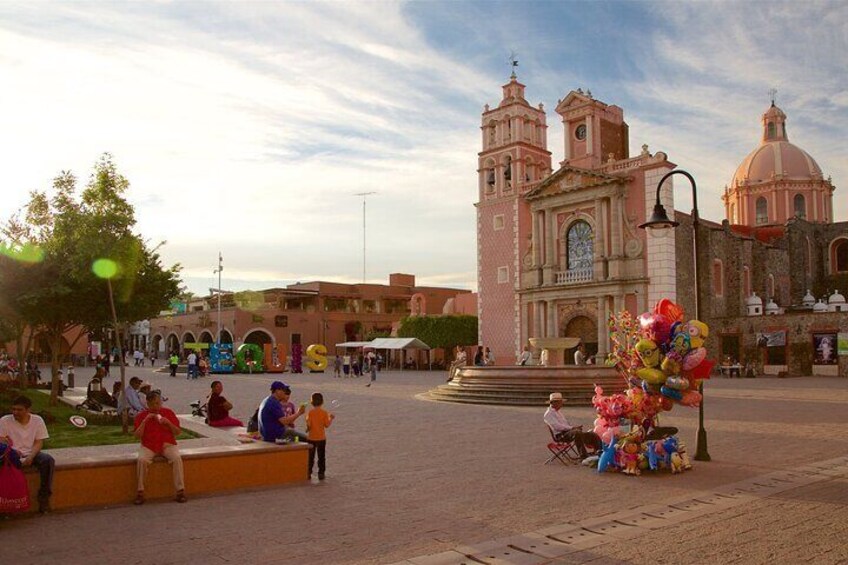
{"x": 277, "y": 415}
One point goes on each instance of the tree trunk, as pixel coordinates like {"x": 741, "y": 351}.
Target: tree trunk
{"x": 20, "y": 327}
{"x": 55, "y": 382}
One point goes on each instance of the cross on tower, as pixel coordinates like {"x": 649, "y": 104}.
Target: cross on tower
{"x": 513, "y": 63}
{"x": 772, "y": 95}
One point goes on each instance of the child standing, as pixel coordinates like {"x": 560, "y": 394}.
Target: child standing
{"x": 317, "y": 422}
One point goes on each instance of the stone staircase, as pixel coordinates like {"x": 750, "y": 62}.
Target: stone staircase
{"x": 527, "y": 386}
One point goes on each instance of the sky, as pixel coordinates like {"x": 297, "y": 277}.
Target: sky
{"x": 249, "y": 128}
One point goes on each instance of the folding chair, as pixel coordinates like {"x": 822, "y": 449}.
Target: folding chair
{"x": 564, "y": 451}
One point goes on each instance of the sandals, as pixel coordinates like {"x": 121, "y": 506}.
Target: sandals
{"x": 139, "y": 498}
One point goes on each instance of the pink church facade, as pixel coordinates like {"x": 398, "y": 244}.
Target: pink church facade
{"x": 559, "y": 251}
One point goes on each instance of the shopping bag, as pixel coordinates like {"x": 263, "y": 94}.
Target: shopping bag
{"x": 14, "y": 492}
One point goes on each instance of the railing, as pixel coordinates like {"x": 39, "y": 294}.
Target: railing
{"x": 575, "y": 276}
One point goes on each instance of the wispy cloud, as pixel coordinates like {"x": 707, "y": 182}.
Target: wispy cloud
{"x": 249, "y": 127}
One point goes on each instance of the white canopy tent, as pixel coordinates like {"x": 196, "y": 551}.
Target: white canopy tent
{"x": 391, "y": 344}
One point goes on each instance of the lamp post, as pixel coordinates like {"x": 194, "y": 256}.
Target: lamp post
{"x": 218, "y": 270}
{"x": 660, "y": 221}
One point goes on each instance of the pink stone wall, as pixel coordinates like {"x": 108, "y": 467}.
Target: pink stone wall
{"x": 497, "y": 248}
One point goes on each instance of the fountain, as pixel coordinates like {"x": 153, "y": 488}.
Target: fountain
{"x": 530, "y": 385}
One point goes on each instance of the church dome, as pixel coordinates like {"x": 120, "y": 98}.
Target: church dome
{"x": 776, "y": 158}
{"x": 820, "y": 306}
{"x": 753, "y": 300}
{"x": 836, "y": 298}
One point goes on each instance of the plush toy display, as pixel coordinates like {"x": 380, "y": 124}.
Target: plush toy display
{"x": 663, "y": 359}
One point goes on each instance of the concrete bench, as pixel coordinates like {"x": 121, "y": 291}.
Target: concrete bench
{"x": 111, "y": 479}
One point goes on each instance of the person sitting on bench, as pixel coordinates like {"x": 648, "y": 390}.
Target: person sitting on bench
{"x": 564, "y": 431}
{"x": 218, "y": 408}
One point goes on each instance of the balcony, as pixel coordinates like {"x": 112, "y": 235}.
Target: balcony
{"x": 575, "y": 276}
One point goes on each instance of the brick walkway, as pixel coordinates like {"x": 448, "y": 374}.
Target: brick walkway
{"x": 409, "y": 478}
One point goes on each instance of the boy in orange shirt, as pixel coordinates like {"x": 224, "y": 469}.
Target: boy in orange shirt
{"x": 317, "y": 422}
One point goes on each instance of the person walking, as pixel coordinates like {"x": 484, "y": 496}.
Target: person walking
{"x": 173, "y": 362}
{"x": 372, "y": 369}
{"x": 191, "y": 370}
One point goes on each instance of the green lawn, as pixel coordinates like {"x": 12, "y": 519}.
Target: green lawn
{"x": 99, "y": 431}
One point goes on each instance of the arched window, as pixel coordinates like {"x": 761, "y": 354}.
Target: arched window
{"x": 800, "y": 206}
{"x": 762, "y": 210}
{"x": 771, "y": 130}
{"x": 508, "y": 171}
{"x": 732, "y": 213}
{"x": 840, "y": 256}
{"x": 579, "y": 246}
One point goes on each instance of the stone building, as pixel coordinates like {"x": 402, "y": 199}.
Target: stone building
{"x": 559, "y": 251}
{"x": 304, "y": 313}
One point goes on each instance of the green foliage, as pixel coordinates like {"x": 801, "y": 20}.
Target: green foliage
{"x": 73, "y": 231}
{"x": 101, "y": 430}
{"x": 250, "y": 300}
{"x": 441, "y": 331}
{"x": 376, "y": 333}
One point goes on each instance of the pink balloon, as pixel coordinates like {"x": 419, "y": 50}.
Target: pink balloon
{"x": 694, "y": 358}
{"x": 691, "y": 398}
{"x": 655, "y": 327}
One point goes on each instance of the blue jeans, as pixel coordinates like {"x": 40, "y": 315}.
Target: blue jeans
{"x": 45, "y": 464}
{"x": 192, "y": 371}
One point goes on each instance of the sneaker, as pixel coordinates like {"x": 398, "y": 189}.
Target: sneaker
{"x": 43, "y": 504}
{"x": 320, "y": 476}
{"x": 139, "y": 498}
{"x": 181, "y": 497}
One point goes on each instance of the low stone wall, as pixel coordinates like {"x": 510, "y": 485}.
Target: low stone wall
{"x": 111, "y": 479}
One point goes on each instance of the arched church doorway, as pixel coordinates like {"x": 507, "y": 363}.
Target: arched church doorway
{"x": 206, "y": 337}
{"x": 226, "y": 336}
{"x": 587, "y": 330}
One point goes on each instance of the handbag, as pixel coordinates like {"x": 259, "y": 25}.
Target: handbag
{"x": 14, "y": 491}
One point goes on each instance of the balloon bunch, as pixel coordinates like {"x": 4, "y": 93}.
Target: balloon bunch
{"x": 663, "y": 360}
{"x": 672, "y": 354}
{"x": 632, "y": 455}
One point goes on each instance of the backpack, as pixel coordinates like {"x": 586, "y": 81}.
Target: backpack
{"x": 253, "y": 423}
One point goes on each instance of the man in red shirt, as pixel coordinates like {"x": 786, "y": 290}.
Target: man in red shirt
{"x": 157, "y": 428}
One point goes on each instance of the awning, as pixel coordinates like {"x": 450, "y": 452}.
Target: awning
{"x": 398, "y": 343}
{"x": 354, "y": 344}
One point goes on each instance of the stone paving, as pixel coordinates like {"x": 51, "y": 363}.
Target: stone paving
{"x": 409, "y": 478}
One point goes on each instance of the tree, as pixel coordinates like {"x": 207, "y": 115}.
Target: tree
{"x": 80, "y": 238}
{"x": 441, "y": 331}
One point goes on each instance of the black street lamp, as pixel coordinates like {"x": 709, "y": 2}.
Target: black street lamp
{"x": 660, "y": 221}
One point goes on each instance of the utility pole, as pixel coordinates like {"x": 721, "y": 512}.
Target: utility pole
{"x": 364, "y": 195}
{"x": 218, "y": 270}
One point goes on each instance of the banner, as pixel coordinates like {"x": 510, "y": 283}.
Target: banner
{"x": 825, "y": 349}
{"x": 772, "y": 339}
{"x": 842, "y": 340}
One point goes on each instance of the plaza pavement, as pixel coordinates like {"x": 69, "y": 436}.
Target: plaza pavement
{"x": 409, "y": 478}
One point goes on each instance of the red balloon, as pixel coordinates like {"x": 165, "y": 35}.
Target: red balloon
{"x": 669, "y": 309}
